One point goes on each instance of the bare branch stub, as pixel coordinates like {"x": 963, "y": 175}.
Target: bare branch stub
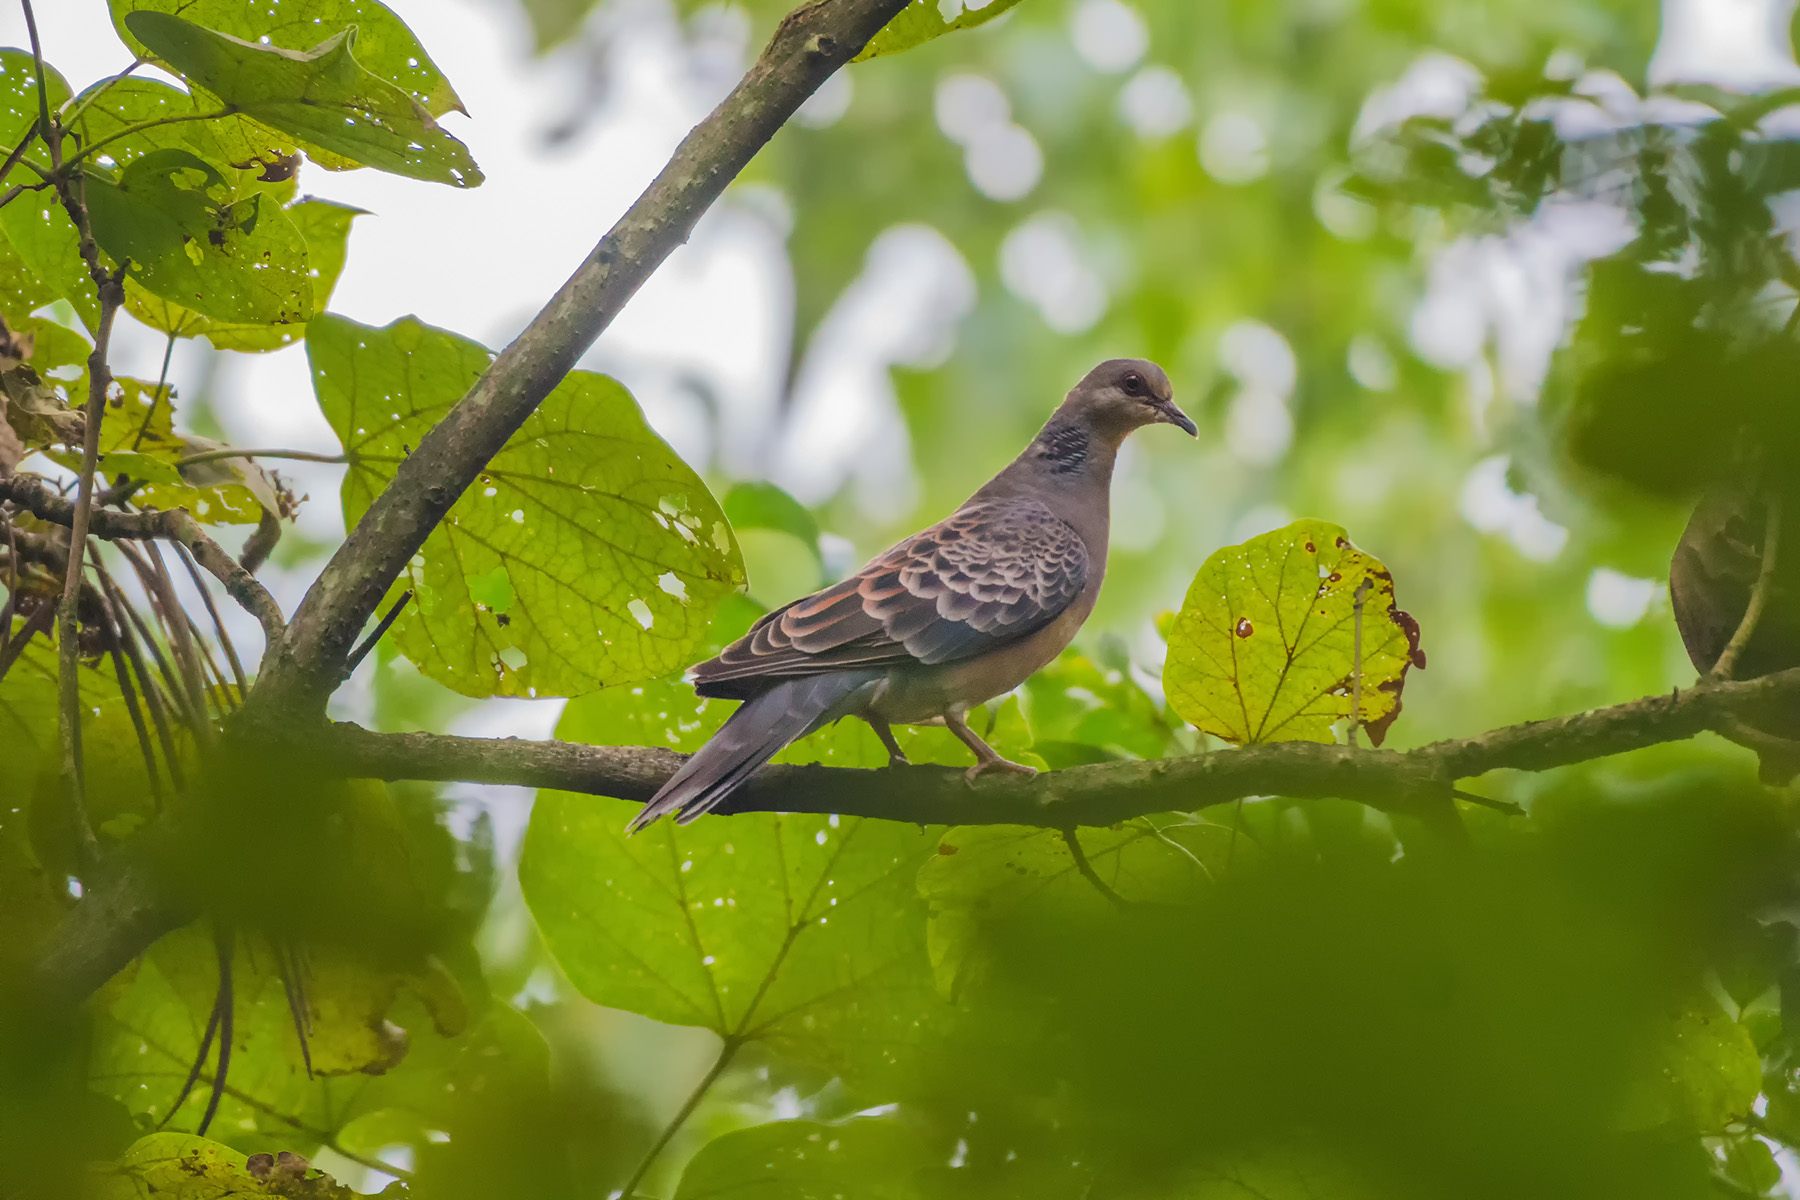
{"x": 309, "y": 663}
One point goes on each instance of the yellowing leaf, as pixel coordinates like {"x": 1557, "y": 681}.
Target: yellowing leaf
{"x": 1263, "y": 649}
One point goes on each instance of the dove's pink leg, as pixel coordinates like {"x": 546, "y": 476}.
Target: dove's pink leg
{"x": 884, "y": 731}
{"x": 988, "y": 759}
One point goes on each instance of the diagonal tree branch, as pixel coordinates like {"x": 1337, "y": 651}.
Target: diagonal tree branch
{"x": 309, "y": 662}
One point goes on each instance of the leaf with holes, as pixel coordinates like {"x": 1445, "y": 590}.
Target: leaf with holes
{"x": 116, "y": 118}
{"x": 801, "y": 931}
{"x": 184, "y": 1167}
{"x": 611, "y": 553}
{"x": 323, "y": 224}
{"x": 323, "y": 97}
{"x": 170, "y": 214}
{"x": 1263, "y": 649}
{"x": 41, "y": 236}
{"x": 923, "y": 20}
{"x": 384, "y": 44}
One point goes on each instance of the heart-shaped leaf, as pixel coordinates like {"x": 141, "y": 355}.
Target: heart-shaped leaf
{"x": 1264, "y": 647}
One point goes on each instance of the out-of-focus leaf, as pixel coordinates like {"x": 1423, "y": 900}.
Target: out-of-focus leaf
{"x": 923, "y": 20}
{"x": 323, "y": 224}
{"x": 1081, "y": 711}
{"x": 384, "y": 45}
{"x": 322, "y": 96}
{"x": 1707, "y": 1073}
{"x": 170, "y": 215}
{"x": 180, "y": 1166}
{"x": 870, "y": 1158}
{"x": 614, "y": 550}
{"x": 1262, "y": 649}
{"x": 801, "y": 931}
{"x": 984, "y": 873}
{"x": 765, "y": 506}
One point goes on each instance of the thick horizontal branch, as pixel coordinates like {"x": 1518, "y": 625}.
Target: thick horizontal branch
{"x": 1101, "y": 794}
{"x": 302, "y": 671}
{"x": 43, "y": 501}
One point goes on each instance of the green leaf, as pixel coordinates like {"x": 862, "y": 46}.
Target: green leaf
{"x": 869, "y": 1158}
{"x": 923, "y": 20}
{"x": 138, "y": 440}
{"x": 171, "y": 217}
{"x": 615, "y": 551}
{"x": 384, "y": 44}
{"x": 322, "y": 96}
{"x": 1263, "y": 647}
{"x": 801, "y": 931}
{"x": 1083, "y": 712}
{"x": 22, "y": 291}
{"x": 984, "y": 873}
{"x": 765, "y": 506}
{"x": 325, "y": 227}
{"x": 19, "y": 107}
{"x": 241, "y": 150}
{"x": 1706, "y": 1073}
{"x": 40, "y": 233}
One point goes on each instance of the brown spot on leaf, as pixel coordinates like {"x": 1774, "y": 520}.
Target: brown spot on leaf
{"x": 946, "y": 848}
{"x": 1244, "y": 627}
{"x": 1311, "y": 549}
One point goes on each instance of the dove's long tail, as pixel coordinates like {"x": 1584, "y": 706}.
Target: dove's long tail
{"x": 756, "y": 732}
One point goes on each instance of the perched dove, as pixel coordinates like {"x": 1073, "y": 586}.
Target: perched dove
{"x": 944, "y": 621}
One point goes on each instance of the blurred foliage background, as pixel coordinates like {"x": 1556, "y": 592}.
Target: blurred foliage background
{"x": 1506, "y": 288}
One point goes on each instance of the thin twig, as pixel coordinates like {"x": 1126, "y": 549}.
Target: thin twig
{"x": 114, "y": 640}
{"x": 84, "y": 101}
{"x": 1499, "y": 806}
{"x": 39, "y": 623}
{"x": 141, "y": 126}
{"x": 261, "y": 543}
{"x": 191, "y": 706}
{"x": 207, "y": 456}
{"x": 154, "y": 698}
{"x": 1759, "y": 592}
{"x": 156, "y": 397}
{"x": 388, "y": 618}
{"x": 181, "y": 643}
{"x": 223, "y": 940}
{"x": 1087, "y": 869}
{"x": 727, "y": 1051}
{"x": 1356, "y": 667}
{"x": 199, "y": 1062}
{"x": 12, "y": 584}
{"x": 231, "y": 655}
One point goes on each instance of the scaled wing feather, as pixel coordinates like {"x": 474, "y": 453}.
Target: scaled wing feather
{"x": 990, "y": 574}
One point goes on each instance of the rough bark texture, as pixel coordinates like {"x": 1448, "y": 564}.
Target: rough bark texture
{"x": 1414, "y": 780}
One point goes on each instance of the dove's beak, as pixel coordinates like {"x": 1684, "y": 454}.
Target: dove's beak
{"x": 1169, "y": 414}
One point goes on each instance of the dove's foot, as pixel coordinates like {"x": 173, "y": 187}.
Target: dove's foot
{"x": 986, "y": 757}
{"x": 884, "y": 731}
{"x": 1004, "y": 766}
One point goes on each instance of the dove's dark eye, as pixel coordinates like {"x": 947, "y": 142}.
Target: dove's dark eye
{"x": 1133, "y": 384}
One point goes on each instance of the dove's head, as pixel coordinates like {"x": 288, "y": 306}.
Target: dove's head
{"x": 1122, "y": 394}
